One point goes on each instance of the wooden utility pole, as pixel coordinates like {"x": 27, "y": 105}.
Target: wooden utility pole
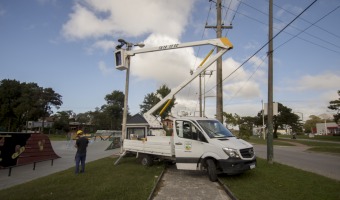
{"x": 270, "y": 154}
{"x": 219, "y": 86}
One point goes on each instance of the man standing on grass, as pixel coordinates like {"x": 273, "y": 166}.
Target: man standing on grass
{"x": 81, "y": 145}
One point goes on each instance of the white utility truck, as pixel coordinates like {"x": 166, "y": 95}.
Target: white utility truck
{"x": 197, "y": 143}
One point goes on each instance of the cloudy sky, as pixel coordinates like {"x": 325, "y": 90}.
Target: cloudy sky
{"x": 68, "y": 45}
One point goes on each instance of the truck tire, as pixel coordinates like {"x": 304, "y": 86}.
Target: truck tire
{"x": 212, "y": 170}
{"x": 147, "y": 160}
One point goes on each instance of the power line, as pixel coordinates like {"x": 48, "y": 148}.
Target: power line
{"x": 307, "y": 21}
{"x": 254, "y": 19}
{"x": 312, "y": 24}
{"x": 233, "y": 18}
{"x": 258, "y": 66}
{"x": 267, "y": 43}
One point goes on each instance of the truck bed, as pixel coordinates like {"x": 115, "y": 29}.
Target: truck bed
{"x": 156, "y": 145}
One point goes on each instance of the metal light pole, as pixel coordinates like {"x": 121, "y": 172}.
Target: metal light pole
{"x": 126, "y": 95}
{"x": 126, "y": 100}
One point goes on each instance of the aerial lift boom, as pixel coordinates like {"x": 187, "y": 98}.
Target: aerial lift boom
{"x": 121, "y": 56}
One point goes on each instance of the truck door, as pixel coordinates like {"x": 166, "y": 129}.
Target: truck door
{"x": 189, "y": 144}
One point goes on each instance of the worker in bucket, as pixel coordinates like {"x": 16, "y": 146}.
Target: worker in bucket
{"x": 81, "y": 145}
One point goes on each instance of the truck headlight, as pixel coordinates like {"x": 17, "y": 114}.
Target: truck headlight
{"x": 231, "y": 152}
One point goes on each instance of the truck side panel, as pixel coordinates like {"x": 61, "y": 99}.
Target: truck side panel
{"x": 157, "y": 145}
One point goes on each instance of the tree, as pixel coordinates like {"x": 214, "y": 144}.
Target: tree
{"x": 62, "y": 120}
{"x": 231, "y": 120}
{"x": 335, "y": 105}
{"x": 10, "y": 92}
{"x": 49, "y": 98}
{"x": 286, "y": 117}
{"x": 20, "y": 102}
{"x": 28, "y": 108}
{"x": 311, "y": 123}
{"x": 246, "y": 125}
{"x": 152, "y": 99}
{"x": 85, "y": 118}
{"x": 114, "y": 109}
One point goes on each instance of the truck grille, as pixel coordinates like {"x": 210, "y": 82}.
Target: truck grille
{"x": 247, "y": 153}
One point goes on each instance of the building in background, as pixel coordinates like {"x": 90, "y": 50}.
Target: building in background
{"x": 327, "y": 128}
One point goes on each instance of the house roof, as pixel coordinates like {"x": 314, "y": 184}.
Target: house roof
{"x": 136, "y": 119}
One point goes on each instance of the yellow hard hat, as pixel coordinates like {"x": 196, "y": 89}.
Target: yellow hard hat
{"x": 79, "y": 132}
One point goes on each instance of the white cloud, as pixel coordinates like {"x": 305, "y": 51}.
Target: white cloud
{"x": 104, "y": 45}
{"x": 170, "y": 67}
{"x": 292, "y": 9}
{"x": 104, "y": 69}
{"x": 251, "y": 45}
{"x": 242, "y": 89}
{"x": 325, "y": 81}
{"x": 93, "y": 18}
{"x": 2, "y": 11}
{"x": 84, "y": 24}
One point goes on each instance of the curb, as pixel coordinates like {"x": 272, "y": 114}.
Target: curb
{"x": 156, "y": 185}
{"x": 227, "y": 190}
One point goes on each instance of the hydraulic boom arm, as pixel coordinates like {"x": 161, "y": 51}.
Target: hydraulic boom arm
{"x": 121, "y": 55}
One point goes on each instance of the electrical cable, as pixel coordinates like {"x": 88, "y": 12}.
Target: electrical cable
{"x": 307, "y": 21}
{"x": 288, "y": 32}
{"x": 267, "y": 43}
{"x": 199, "y": 48}
{"x": 258, "y": 66}
{"x": 312, "y": 24}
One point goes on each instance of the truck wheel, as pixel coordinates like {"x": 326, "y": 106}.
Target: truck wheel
{"x": 212, "y": 170}
{"x": 147, "y": 160}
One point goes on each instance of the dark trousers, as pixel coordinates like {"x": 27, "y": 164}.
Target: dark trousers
{"x": 80, "y": 159}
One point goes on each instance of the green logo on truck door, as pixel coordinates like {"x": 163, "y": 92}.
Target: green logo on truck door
{"x": 188, "y": 146}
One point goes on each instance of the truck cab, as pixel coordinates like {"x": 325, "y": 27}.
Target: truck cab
{"x": 202, "y": 143}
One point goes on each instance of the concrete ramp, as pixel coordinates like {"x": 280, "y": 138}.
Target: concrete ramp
{"x": 24, "y": 148}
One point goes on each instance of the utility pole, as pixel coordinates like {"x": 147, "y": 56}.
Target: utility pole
{"x": 270, "y": 153}
{"x": 202, "y": 112}
{"x": 200, "y": 94}
{"x": 219, "y": 86}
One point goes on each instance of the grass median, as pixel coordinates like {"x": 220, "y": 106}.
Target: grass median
{"x": 102, "y": 180}
{"x": 281, "y": 182}
{"x": 324, "y": 146}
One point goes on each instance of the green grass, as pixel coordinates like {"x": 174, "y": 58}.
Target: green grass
{"x": 257, "y": 140}
{"x": 281, "y": 182}
{"x": 335, "y": 150}
{"x": 317, "y": 146}
{"x": 316, "y": 137}
{"x": 102, "y": 180}
{"x": 130, "y": 180}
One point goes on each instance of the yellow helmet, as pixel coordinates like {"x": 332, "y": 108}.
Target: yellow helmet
{"x": 80, "y": 132}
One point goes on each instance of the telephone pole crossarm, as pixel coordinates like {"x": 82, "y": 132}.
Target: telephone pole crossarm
{"x": 223, "y": 27}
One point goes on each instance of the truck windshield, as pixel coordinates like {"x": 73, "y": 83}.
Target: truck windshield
{"x": 214, "y": 129}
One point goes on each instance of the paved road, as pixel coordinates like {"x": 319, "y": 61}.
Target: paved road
{"x": 319, "y": 163}
{"x": 22, "y": 174}
{"x": 185, "y": 185}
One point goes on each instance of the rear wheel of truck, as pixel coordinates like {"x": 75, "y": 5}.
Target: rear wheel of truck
{"x": 212, "y": 170}
{"x": 147, "y": 160}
